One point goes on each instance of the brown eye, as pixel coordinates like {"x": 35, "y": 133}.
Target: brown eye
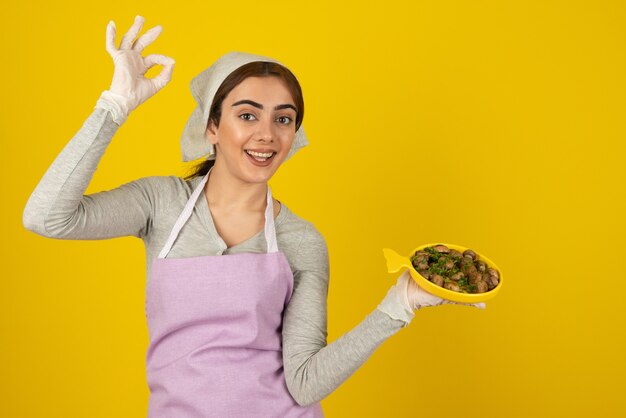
{"x": 246, "y": 114}
{"x": 289, "y": 120}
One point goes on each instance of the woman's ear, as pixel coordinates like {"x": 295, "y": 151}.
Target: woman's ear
{"x": 211, "y": 132}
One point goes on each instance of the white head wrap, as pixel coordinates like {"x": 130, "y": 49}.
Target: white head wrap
{"x": 194, "y": 144}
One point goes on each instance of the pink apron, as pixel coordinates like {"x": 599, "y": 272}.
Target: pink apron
{"x": 215, "y": 325}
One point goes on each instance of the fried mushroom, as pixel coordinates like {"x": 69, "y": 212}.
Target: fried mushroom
{"x": 437, "y": 279}
{"x": 452, "y": 286}
{"x": 481, "y": 287}
{"x": 469, "y": 253}
{"x": 441, "y": 249}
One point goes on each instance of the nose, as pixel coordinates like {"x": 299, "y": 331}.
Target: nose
{"x": 266, "y": 130}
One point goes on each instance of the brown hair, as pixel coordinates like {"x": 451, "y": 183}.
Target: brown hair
{"x": 251, "y": 69}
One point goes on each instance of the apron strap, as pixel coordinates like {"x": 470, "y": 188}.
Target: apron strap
{"x": 270, "y": 229}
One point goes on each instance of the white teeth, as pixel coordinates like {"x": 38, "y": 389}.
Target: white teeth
{"x": 260, "y": 154}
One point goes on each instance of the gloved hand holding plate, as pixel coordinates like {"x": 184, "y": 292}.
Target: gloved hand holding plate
{"x": 449, "y": 271}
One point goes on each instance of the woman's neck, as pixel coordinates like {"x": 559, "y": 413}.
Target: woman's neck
{"x": 225, "y": 192}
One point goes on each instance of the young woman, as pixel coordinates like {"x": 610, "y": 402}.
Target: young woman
{"x": 237, "y": 283}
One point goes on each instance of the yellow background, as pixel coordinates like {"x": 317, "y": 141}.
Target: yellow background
{"x": 494, "y": 125}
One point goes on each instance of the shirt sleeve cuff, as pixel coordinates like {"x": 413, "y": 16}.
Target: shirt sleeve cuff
{"x": 114, "y": 103}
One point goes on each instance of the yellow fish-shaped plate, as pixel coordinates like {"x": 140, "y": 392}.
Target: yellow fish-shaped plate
{"x": 395, "y": 262}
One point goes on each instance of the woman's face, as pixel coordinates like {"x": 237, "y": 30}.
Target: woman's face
{"x": 257, "y": 115}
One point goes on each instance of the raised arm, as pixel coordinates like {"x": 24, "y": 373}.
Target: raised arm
{"x": 58, "y": 207}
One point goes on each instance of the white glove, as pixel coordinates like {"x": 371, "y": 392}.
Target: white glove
{"x": 129, "y": 87}
{"x": 406, "y": 296}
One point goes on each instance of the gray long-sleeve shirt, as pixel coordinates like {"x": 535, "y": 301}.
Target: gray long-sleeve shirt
{"x": 147, "y": 208}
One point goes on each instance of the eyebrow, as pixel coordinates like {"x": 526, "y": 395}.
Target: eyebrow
{"x": 260, "y": 106}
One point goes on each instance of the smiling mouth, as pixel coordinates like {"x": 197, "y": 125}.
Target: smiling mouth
{"x": 260, "y": 157}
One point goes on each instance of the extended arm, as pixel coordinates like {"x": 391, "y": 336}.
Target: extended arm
{"x": 313, "y": 369}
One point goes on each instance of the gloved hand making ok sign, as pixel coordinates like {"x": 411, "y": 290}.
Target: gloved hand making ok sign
{"x": 406, "y": 296}
{"x": 129, "y": 87}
